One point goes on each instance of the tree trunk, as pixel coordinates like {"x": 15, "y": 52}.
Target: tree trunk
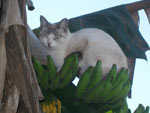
{"x": 21, "y": 83}
{"x": 2, "y": 65}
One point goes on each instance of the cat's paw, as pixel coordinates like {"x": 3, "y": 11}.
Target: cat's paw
{"x": 58, "y": 69}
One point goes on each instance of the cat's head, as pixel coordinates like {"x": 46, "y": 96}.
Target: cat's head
{"x": 53, "y": 36}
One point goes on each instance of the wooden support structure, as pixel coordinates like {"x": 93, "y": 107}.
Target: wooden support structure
{"x": 133, "y": 9}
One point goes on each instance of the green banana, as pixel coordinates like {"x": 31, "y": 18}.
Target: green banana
{"x": 55, "y": 83}
{"x": 83, "y": 83}
{"x": 146, "y": 110}
{"x": 119, "y": 78}
{"x": 101, "y": 108}
{"x": 122, "y": 93}
{"x": 115, "y": 105}
{"x": 126, "y": 76}
{"x": 125, "y": 107}
{"x": 126, "y": 89}
{"x": 140, "y": 109}
{"x": 123, "y": 85}
{"x": 96, "y": 75}
{"x": 45, "y": 81}
{"x": 110, "y": 88}
{"x": 109, "y": 91}
{"x": 52, "y": 67}
{"x": 111, "y": 76}
{"x": 70, "y": 75}
{"x": 119, "y": 106}
{"x": 67, "y": 79}
{"x": 38, "y": 68}
{"x": 115, "y": 92}
{"x": 75, "y": 64}
{"x": 68, "y": 63}
{"x": 110, "y": 111}
{"x": 94, "y": 93}
{"x": 102, "y": 96}
{"x": 122, "y": 111}
{"x": 67, "y": 72}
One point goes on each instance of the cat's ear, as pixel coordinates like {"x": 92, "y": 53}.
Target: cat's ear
{"x": 43, "y": 21}
{"x": 63, "y": 23}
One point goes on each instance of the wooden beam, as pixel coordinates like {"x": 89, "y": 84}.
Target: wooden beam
{"x": 133, "y": 7}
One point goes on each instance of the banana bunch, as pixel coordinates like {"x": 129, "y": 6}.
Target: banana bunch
{"x": 107, "y": 94}
{"x": 92, "y": 88}
{"x": 124, "y": 109}
{"x": 139, "y": 109}
{"x": 49, "y": 78}
{"x": 142, "y": 109}
{"x": 51, "y": 107}
{"x": 66, "y": 74}
{"x": 110, "y": 111}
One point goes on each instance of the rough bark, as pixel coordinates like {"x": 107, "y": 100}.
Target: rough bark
{"x": 11, "y": 96}
{"x": 19, "y": 68}
{"x": 2, "y": 65}
{"x": 20, "y": 76}
{"x": 3, "y": 5}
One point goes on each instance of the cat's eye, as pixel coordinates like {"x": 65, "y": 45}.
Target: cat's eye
{"x": 61, "y": 35}
{"x": 56, "y": 38}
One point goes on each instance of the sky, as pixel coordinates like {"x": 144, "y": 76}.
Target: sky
{"x": 55, "y": 10}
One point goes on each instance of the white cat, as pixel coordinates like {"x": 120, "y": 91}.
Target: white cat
{"x": 93, "y": 44}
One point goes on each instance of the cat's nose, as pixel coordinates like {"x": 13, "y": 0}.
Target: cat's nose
{"x": 49, "y": 44}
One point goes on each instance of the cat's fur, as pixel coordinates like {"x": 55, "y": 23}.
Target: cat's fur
{"x": 94, "y": 44}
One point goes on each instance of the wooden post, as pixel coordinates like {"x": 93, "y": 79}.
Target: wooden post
{"x": 133, "y": 9}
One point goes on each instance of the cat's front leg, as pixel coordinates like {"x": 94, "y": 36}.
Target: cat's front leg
{"x": 59, "y": 62}
{"x": 59, "y": 68}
